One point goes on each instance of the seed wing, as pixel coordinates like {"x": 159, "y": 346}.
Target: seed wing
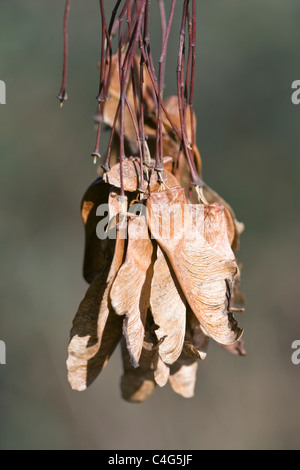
{"x": 96, "y": 328}
{"x": 168, "y": 307}
{"x": 130, "y": 294}
{"x": 203, "y": 274}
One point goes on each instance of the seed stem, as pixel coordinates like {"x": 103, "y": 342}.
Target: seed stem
{"x": 62, "y": 95}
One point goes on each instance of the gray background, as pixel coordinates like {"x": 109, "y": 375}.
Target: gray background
{"x": 248, "y": 134}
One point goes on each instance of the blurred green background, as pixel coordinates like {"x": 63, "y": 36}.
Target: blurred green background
{"x": 248, "y": 134}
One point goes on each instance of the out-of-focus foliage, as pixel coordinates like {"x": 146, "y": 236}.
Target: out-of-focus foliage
{"x": 248, "y": 135}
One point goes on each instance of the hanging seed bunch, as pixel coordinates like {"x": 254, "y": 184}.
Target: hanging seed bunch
{"x": 160, "y": 245}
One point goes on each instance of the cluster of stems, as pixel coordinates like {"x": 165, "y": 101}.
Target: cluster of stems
{"x": 129, "y": 23}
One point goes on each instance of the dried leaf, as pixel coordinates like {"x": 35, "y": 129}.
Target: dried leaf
{"x": 131, "y": 175}
{"x": 215, "y": 224}
{"x": 130, "y": 294}
{"x": 183, "y": 376}
{"x": 96, "y": 328}
{"x": 168, "y": 164}
{"x": 132, "y": 178}
{"x": 168, "y": 308}
{"x": 161, "y": 373}
{"x": 212, "y": 198}
{"x": 164, "y": 180}
{"x": 204, "y": 275}
{"x": 138, "y": 384}
{"x": 117, "y": 208}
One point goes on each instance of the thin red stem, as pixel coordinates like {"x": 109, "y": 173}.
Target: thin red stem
{"x": 155, "y": 87}
{"x": 124, "y": 75}
{"x": 113, "y": 17}
{"x": 186, "y": 144}
{"x": 62, "y": 96}
{"x": 163, "y": 20}
{"x": 162, "y": 62}
{"x": 102, "y": 64}
{"x": 96, "y": 152}
{"x": 192, "y": 88}
{"x": 106, "y": 165}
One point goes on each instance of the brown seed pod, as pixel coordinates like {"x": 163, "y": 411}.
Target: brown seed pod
{"x": 212, "y": 198}
{"x": 130, "y": 294}
{"x": 168, "y": 307}
{"x": 161, "y": 372}
{"x": 96, "y": 328}
{"x": 203, "y": 274}
{"x": 214, "y": 222}
{"x": 183, "y": 376}
{"x": 138, "y": 384}
{"x": 131, "y": 176}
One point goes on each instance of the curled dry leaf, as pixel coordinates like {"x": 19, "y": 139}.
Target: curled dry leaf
{"x": 138, "y": 384}
{"x": 96, "y": 328}
{"x": 203, "y": 274}
{"x": 98, "y": 253}
{"x": 130, "y": 294}
{"x": 217, "y": 226}
{"x": 168, "y": 307}
{"x": 183, "y": 375}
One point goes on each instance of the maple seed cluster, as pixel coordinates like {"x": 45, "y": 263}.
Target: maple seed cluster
{"x": 162, "y": 297}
